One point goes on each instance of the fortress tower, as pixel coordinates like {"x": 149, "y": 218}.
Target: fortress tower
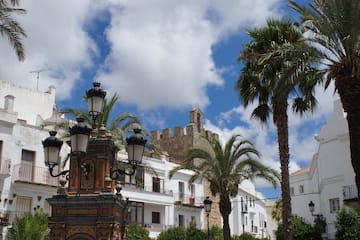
{"x": 178, "y": 144}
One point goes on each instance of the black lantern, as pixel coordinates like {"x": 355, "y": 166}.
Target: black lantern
{"x": 95, "y": 98}
{"x": 311, "y": 207}
{"x": 52, "y": 146}
{"x": 79, "y": 137}
{"x": 136, "y": 145}
{"x": 207, "y": 206}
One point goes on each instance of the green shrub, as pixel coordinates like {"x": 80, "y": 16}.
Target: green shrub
{"x": 302, "y": 230}
{"x": 347, "y": 224}
{"x": 137, "y": 232}
{"x": 244, "y": 236}
{"x": 192, "y": 233}
{"x": 216, "y": 233}
{"x": 176, "y": 233}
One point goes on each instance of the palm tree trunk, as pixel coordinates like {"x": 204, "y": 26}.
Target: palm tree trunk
{"x": 349, "y": 90}
{"x": 353, "y": 119}
{"x": 281, "y": 121}
{"x": 225, "y": 210}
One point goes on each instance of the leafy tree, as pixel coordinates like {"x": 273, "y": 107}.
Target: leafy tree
{"x": 10, "y": 28}
{"x": 347, "y": 224}
{"x": 334, "y": 26}
{"x": 301, "y": 230}
{"x": 177, "y": 233}
{"x": 225, "y": 168}
{"x": 30, "y": 227}
{"x": 137, "y": 232}
{"x": 279, "y": 65}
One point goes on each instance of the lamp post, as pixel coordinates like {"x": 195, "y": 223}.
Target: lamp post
{"x": 320, "y": 218}
{"x": 207, "y": 206}
{"x": 93, "y": 167}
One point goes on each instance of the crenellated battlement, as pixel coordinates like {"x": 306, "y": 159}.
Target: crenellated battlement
{"x": 178, "y": 141}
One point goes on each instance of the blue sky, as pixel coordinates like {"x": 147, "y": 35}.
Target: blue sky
{"x": 163, "y": 57}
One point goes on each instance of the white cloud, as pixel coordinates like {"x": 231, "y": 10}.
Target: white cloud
{"x": 56, "y": 42}
{"x": 161, "y": 51}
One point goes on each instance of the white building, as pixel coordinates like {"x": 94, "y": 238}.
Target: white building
{"x": 25, "y": 182}
{"x": 249, "y": 213}
{"x": 329, "y": 180}
{"x": 157, "y": 202}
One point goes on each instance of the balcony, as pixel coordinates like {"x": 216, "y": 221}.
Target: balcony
{"x": 350, "y": 192}
{"x": 350, "y": 196}
{"x": 5, "y": 168}
{"x": 189, "y": 200}
{"x": 148, "y": 189}
{"x": 28, "y": 173}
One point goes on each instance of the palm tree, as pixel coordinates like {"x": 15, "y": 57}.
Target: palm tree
{"x": 277, "y": 210}
{"x": 30, "y": 227}
{"x": 334, "y": 25}
{"x": 278, "y": 65}
{"x": 225, "y": 168}
{"x": 11, "y": 28}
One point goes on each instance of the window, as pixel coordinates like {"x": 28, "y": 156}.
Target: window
{"x": 23, "y": 205}
{"x": 301, "y": 189}
{"x": 155, "y": 216}
{"x": 156, "y": 184}
{"x": 181, "y": 221}
{"x": 136, "y": 213}
{"x": 334, "y": 205}
{"x": 181, "y": 191}
{"x": 27, "y": 165}
{"x": 292, "y": 191}
{"x": 192, "y": 190}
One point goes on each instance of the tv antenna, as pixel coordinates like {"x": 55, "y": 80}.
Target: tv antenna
{"x": 38, "y": 76}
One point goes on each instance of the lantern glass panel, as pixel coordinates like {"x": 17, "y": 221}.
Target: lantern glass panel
{"x": 135, "y": 153}
{"x": 51, "y": 155}
{"x": 95, "y": 104}
{"x": 79, "y": 143}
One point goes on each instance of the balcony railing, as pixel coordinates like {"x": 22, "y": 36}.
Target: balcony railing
{"x": 147, "y": 188}
{"x": 182, "y": 198}
{"x": 350, "y": 192}
{"x": 32, "y": 174}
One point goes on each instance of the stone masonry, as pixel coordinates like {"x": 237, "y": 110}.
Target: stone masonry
{"x": 178, "y": 144}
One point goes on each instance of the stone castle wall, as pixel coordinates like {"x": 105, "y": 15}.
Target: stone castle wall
{"x": 178, "y": 144}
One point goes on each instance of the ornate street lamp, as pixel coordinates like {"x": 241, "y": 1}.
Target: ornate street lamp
{"x": 320, "y": 218}
{"x": 79, "y": 135}
{"x": 207, "y": 206}
{"x": 312, "y": 207}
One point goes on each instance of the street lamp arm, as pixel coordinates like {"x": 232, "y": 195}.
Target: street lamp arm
{"x": 64, "y": 173}
{"x": 116, "y": 173}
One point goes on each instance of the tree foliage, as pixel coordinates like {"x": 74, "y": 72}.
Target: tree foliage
{"x": 11, "y": 28}
{"x": 301, "y": 230}
{"x": 30, "y": 227}
{"x": 225, "y": 167}
{"x": 333, "y": 25}
{"x": 347, "y": 224}
{"x": 137, "y": 232}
